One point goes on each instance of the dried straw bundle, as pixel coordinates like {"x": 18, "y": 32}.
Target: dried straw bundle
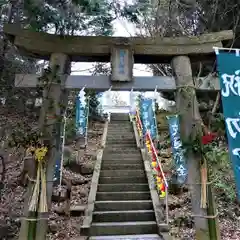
{"x": 43, "y": 207}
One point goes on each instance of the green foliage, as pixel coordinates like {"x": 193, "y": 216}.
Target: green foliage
{"x": 101, "y": 69}
{"x": 220, "y": 172}
{"x": 93, "y": 17}
{"x": 93, "y": 103}
{"x": 218, "y": 123}
{"x": 70, "y": 129}
{"x": 131, "y": 13}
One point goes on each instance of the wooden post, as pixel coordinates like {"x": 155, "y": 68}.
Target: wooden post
{"x": 190, "y": 121}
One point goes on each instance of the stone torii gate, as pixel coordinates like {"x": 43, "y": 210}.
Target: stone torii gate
{"x": 123, "y": 53}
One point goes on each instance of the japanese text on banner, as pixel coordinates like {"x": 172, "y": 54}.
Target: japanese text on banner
{"x": 81, "y": 118}
{"x": 229, "y": 76}
{"x": 178, "y": 151}
{"x": 148, "y": 117}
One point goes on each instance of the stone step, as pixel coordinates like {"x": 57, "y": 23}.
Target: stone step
{"x": 123, "y": 187}
{"x": 122, "y": 196}
{"x": 128, "y": 134}
{"x": 127, "y": 237}
{"x": 119, "y": 150}
{"x": 121, "y": 130}
{"x": 119, "y": 125}
{"x": 121, "y": 134}
{"x": 124, "y": 216}
{"x": 120, "y": 121}
{"x": 123, "y": 155}
{"x": 122, "y": 173}
{"x": 134, "y": 153}
{"x": 126, "y": 150}
{"x": 127, "y": 123}
{"x": 123, "y": 138}
{"x": 123, "y": 228}
{"x": 129, "y": 131}
{"x": 128, "y": 179}
{"x": 119, "y": 117}
{"x": 120, "y": 161}
{"x": 123, "y": 205}
{"x": 116, "y": 140}
{"x": 112, "y": 166}
{"x": 121, "y": 145}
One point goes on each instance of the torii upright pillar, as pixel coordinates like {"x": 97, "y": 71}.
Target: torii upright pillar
{"x": 49, "y": 118}
{"x": 190, "y": 121}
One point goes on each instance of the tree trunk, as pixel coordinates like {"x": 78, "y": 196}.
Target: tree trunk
{"x": 190, "y": 123}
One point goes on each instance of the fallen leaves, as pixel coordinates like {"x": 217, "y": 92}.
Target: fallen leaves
{"x": 12, "y": 195}
{"x": 64, "y": 227}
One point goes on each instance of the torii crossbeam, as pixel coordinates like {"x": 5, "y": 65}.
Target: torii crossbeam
{"x": 103, "y": 83}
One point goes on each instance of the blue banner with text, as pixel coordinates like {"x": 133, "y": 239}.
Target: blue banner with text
{"x": 148, "y": 117}
{"x": 81, "y": 118}
{"x": 229, "y": 76}
{"x": 177, "y": 148}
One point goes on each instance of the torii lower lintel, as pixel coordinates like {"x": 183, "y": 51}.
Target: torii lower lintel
{"x": 103, "y": 83}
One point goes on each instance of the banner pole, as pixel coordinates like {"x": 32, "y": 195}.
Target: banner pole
{"x": 155, "y": 119}
{"x": 87, "y": 115}
{"x": 62, "y": 153}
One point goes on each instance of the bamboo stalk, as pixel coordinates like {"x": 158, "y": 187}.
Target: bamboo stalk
{"x": 204, "y": 184}
{"x": 32, "y": 226}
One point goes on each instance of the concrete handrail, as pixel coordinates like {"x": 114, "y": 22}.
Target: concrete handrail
{"x": 93, "y": 189}
{"x": 143, "y": 147}
{"x": 163, "y": 175}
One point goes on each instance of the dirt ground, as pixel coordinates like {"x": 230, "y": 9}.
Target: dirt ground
{"x": 12, "y": 195}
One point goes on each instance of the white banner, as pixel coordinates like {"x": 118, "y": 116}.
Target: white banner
{"x": 132, "y": 109}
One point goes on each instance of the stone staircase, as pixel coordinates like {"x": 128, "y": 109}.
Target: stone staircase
{"x": 123, "y": 207}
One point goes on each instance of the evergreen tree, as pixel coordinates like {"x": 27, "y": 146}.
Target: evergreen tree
{"x": 93, "y": 104}
{"x": 78, "y": 18}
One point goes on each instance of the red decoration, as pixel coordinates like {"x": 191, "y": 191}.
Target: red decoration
{"x": 154, "y": 159}
{"x": 163, "y": 189}
{"x": 157, "y": 168}
{"x": 206, "y": 139}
